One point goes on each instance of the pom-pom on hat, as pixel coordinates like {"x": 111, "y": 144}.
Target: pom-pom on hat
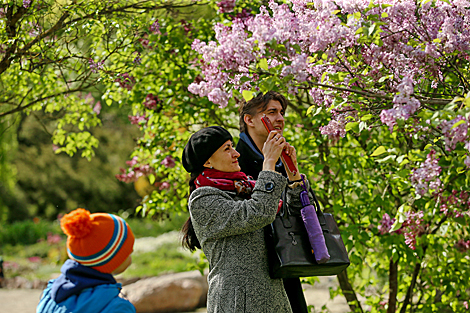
{"x": 202, "y": 145}
{"x": 101, "y": 241}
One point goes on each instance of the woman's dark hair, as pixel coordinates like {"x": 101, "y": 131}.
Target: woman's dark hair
{"x": 257, "y": 104}
{"x": 190, "y": 240}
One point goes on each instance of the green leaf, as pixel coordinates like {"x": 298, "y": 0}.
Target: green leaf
{"x": 384, "y": 14}
{"x": 354, "y": 126}
{"x": 263, "y": 64}
{"x": 366, "y": 117}
{"x": 380, "y": 150}
{"x": 458, "y": 123}
{"x": 151, "y": 178}
{"x": 312, "y": 107}
{"x": 247, "y": 95}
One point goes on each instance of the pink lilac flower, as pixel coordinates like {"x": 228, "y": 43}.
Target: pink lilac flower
{"x": 155, "y": 27}
{"x": 151, "y": 102}
{"x": 413, "y": 227}
{"x": 53, "y": 239}
{"x": 462, "y": 245}
{"x": 404, "y": 104}
{"x": 454, "y": 135}
{"x": 465, "y": 305}
{"x": 164, "y": 185}
{"x": 456, "y": 204}
{"x": 385, "y": 224}
{"x": 427, "y": 175}
{"x": 125, "y": 81}
{"x": 218, "y": 96}
{"x": 97, "y": 108}
{"x": 243, "y": 15}
{"x": 138, "y": 119}
{"x": 95, "y": 66}
{"x": 187, "y": 27}
{"x": 226, "y": 6}
{"x": 168, "y": 162}
{"x": 34, "y": 259}
{"x": 2, "y": 13}
{"x": 35, "y": 29}
{"x": 10, "y": 265}
{"x": 26, "y": 3}
{"x": 134, "y": 172}
{"x": 467, "y": 161}
{"x": 336, "y": 127}
{"x": 145, "y": 42}
{"x": 132, "y": 162}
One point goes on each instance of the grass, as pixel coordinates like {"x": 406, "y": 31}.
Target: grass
{"x": 40, "y": 258}
{"x": 168, "y": 258}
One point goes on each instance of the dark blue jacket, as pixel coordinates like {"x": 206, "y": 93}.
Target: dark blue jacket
{"x": 81, "y": 289}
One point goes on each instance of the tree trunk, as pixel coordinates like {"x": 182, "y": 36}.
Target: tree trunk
{"x": 349, "y": 293}
{"x": 393, "y": 286}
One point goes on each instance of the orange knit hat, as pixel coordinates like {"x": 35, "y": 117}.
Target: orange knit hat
{"x": 101, "y": 241}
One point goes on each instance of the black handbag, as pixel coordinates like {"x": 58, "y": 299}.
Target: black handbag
{"x": 289, "y": 251}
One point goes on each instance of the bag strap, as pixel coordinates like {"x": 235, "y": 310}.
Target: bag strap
{"x": 284, "y": 211}
{"x": 316, "y": 205}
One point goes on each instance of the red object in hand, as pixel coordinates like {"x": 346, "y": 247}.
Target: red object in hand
{"x": 285, "y": 158}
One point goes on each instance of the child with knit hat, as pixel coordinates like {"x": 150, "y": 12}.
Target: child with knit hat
{"x": 99, "y": 246}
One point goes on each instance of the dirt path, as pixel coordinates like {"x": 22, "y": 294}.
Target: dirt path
{"x": 26, "y": 300}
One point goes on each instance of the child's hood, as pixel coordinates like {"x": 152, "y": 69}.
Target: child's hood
{"x": 76, "y": 277}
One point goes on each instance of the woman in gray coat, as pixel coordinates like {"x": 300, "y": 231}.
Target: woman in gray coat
{"x": 228, "y": 212}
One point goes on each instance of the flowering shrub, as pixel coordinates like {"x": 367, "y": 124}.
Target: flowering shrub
{"x": 387, "y": 85}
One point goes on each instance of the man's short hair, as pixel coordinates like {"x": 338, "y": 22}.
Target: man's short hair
{"x": 257, "y": 104}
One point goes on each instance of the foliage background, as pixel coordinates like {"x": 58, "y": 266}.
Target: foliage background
{"x": 142, "y": 62}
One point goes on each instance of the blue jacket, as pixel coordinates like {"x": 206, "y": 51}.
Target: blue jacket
{"x": 80, "y": 289}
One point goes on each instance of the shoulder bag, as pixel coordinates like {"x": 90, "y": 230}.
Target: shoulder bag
{"x": 289, "y": 250}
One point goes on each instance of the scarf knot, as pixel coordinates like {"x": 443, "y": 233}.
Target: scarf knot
{"x": 237, "y": 182}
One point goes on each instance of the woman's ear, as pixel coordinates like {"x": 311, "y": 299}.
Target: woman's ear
{"x": 248, "y": 120}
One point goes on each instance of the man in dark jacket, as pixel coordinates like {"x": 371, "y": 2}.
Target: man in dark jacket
{"x": 253, "y": 134}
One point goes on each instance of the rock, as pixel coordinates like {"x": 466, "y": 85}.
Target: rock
{"x": 18, "y": 282}
{"x": 169, "y": 293}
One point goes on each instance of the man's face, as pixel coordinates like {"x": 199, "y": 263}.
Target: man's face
{"x": 275, "y": 112}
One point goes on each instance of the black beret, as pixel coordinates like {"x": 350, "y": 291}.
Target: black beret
{"x": 202, "y": 145}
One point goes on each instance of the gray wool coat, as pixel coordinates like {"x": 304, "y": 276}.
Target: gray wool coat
{"x": 230, "y": 231}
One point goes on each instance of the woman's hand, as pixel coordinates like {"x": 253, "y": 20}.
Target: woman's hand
{"x": 290, "y": 151}
{"x": 272, "y": 149}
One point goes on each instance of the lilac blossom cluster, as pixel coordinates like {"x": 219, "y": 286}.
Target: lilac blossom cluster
{"x": 457, "y": 204}
{"x": 385, "y": 224}
{"x": 427, "y": 175}
{"x": 138, "y": 119}
{"x": 135, "y": 171}
{"x": 95, "y": 66}
{"x": 137, "y": 60}
{"x": 454, "y": 134}
{"x": 339, "y": 118}
{"x": 125, "y": 81}
{"x": 462, "y": 245}
{"x": 168, "y": 162}
{"x": 155, "y": 27}
{"x": 226, "y": 6}
{"x": 26, "y": 3}
{"x": 151, "y": 101}
{"x": 413, "y": 227}
{"x": 404, "y": 105}
{"x": 409, "y": 52}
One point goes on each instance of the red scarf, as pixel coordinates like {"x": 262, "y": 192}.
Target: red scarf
{"x": 237, "y": 181}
